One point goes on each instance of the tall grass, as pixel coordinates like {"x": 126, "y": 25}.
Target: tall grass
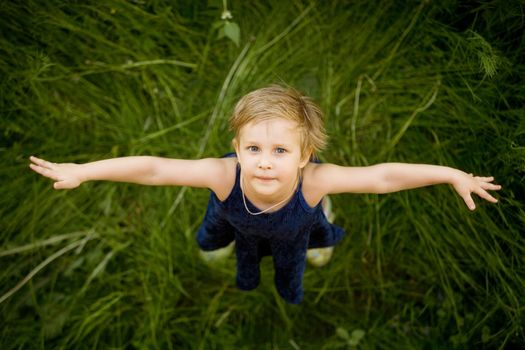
{"x": 115, "y": 265}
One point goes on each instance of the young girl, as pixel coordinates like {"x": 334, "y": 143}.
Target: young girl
{"x": 267, "y": 195}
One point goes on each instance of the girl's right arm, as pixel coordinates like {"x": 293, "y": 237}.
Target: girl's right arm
{"x": 145, "y": 170}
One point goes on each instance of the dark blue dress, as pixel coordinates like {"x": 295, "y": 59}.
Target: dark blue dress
{"x": 285, "y": 234}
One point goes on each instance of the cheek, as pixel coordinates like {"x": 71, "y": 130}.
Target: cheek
{"x": 246, "y": 163}
{"x": 289, "y": 168}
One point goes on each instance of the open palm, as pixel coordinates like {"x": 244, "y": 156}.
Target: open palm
{"x": 65, "y": 175}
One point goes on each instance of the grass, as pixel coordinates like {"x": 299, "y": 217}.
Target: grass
{"x": 116, "y": 265}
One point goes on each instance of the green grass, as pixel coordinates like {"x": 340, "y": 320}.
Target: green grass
{"x": 116, "y": 265}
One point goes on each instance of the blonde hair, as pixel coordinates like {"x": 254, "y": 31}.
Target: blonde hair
{"x": 276, "y": 101}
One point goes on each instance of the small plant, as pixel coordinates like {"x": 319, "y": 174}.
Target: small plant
{"x": 226, "y": 27}
{"x": 352, "y": 339}
{"x": 490, "y": 60}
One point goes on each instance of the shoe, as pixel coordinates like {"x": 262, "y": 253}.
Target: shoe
{"x": 321, "y": 256}
{"x": 217, "y": 255}
{"x": 327, "y": 209}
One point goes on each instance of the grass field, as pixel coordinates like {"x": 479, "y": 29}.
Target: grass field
{"x": 116, "y": 266}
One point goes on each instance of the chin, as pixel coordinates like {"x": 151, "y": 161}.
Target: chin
{"x": 265, "y": 188}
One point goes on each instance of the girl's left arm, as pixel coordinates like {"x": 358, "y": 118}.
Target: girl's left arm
{"x": 393, "y": 177}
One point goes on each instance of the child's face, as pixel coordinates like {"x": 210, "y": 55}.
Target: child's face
{"x": 269, "y": 153}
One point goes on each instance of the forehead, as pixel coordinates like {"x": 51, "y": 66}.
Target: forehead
{"x": 275, "y": 130}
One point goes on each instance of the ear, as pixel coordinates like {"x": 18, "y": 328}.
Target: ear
{"x": 305, "y": 159}
{"x": 235, "y": 146}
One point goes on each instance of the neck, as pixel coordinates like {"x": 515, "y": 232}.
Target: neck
{"x": 268, "y": 203}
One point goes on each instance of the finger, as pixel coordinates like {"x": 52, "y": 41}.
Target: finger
{"x": 489, "y": 186}
{"x": 36, "y": 160}
{"x": 37, "y": 169}
{"x": 485, "y": 179}
{"x": 64, "y": 185}
{"x": 44, "y": 171}
{"x": 59, "y": 185}
{"x": 485, "y": 195}
{"x": 42, "y": 162}
{"x": 469, "y": 201}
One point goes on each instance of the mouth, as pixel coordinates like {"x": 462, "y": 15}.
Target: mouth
{"x": 264, "y": 178}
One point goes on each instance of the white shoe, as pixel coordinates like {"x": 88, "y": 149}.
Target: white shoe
{"x": 327, "y": 209}
{"x": 321, "y": 256}
{"x": 217, "y": 255}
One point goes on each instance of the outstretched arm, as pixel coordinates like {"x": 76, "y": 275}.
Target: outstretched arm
{"x": 144, "y": 170}
{"x": 392, "y": 177}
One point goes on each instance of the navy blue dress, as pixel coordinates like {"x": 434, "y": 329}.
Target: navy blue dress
{"x": 285, "y": 234}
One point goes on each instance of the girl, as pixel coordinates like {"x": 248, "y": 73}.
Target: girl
{"x": 267, "y": 195}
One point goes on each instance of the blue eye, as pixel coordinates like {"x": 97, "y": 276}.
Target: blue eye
{"x": 253, "y": 148}
{"x": 280, "y": 150}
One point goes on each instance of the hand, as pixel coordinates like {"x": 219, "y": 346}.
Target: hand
{"x": 465, "y": 184}
{"x": 66, "y": 175}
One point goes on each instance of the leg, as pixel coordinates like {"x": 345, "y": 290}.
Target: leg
{"x": 215, "y": 236}
{"x": 249, "y": 256}
{"x": 289, "y": 260}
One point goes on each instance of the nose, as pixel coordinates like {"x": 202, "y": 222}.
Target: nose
{"x": 264, "y": 163}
